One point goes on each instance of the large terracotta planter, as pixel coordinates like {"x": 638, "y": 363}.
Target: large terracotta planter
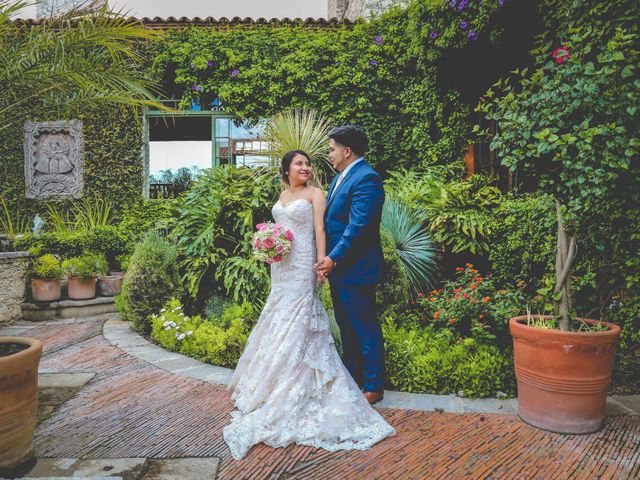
{"x": 81, "y": 288}
{"x": 18, "y": 398}
{"x": 45, "y": 290}
{"x": 563, "y": 377}
{"x": 109, "y": 285}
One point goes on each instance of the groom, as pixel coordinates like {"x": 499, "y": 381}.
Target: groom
{"x": 354, "y": 263}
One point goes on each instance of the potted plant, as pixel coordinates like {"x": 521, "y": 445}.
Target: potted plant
{"x": 46, "y": 273}
{"x": 82, "y": 274}
{"x": 19, "y": 359}
{"x": 571, "y": 126}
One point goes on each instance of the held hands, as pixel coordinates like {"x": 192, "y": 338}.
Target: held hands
{"x": 323, "y": 267}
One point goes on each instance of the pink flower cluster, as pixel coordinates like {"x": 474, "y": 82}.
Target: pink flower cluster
{"x": 271, "y": 242}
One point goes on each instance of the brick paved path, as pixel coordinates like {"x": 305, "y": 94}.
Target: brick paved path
{"x": 133, "y": 409}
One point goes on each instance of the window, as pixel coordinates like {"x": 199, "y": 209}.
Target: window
{"x": 196, "y": 139}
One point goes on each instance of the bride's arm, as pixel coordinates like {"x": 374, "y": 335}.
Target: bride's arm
{"x": 319, "y": 203}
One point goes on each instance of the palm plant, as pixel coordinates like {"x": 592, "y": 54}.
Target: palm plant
{"x": 417, "y": 253}
{"x": 85, "y": 58}
{"x": 299, "y": 129}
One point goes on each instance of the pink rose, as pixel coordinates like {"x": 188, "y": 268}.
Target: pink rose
{"x": 269, "y": 261}
{"x": 277, "y": 259}
{"x": 257, "y": 243}
{"x": 280, "y": 250}
{"x": 288, "y": 235}
{"x": 277, "y": 225}
{"x": 261, "y": 227}
{"x": 276, "y": 232}
{"x": 269, "y": 243}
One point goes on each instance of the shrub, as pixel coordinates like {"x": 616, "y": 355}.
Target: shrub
{"x": 523, "y": 242}
{"x": 219, "y": 341}
{"x": 426, "y": 360}
{"x": 626, "y": 314}
{"x": 458, "y": 212}
{"x": 108, "y": 240}
{"x": 46, "y": 267}
{"x": 88, "y": 265}
{"x": 213, "y": 229}
{"x": 471, "y": 306}
{"x": 152, "y": 278}
{"x": 144, "y": 215}
{"x": 395, "y": 289}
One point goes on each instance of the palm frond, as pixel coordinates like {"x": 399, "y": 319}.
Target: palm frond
{"x": 299, "y": 129}
{"x": 86, "y": 55}
{"x": 418, "y": 255}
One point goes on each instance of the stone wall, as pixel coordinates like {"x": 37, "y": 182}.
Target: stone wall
{"x": 14, "y": 267}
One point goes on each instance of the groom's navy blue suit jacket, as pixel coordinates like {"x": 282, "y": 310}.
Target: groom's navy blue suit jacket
{"x": 352, "y": 225}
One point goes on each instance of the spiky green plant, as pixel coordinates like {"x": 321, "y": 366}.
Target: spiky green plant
{"x": 91, "y": 212}
{"x": 12, "y": 224}
{"x": 418, "y": 255}
{"x": 86, "y": 57}
{"x": 58, "y": 220}
{"x": 299, "y": 129}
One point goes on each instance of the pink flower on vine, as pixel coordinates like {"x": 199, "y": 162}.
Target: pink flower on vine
{"x": 561, "y": 54}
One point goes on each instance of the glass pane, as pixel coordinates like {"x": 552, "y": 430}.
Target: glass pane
{"x": 247, "y": 145}
{"x": 177, "y": 128}
{"x": 222, "y": 127}
{"x": 222, "y": 150}
{"x": 171, "y": 156}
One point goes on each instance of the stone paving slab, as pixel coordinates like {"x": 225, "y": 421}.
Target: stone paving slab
{"x": 64, "y": 379}
{"x": 182, "y": 469}
{"x": 126, "y": 468}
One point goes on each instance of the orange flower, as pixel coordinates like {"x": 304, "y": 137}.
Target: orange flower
{"x": 431, "y": 299}
{"x": 436, "y": 315}
{"x": 420, "y": 295}
{"x": 452, "y": 321}
{"x": 486, "y": 299}
{"x": 456, "y": 296}
{"x": 481, "y": 316}
{"x": 473, "y": 287}
{"x": 469, "y": 265}
{"x": 459, "y": 269}
{"x": 466, "y": 295}
{"x": 457, "y": 290}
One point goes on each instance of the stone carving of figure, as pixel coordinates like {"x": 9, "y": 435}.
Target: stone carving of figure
{"x": 54, "y": 155}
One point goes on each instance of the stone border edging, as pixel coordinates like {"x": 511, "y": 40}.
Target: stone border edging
{"x": 117, "y": 333}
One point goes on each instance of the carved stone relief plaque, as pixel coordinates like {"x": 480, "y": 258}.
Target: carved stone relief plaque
{"x": 53, "y": 154}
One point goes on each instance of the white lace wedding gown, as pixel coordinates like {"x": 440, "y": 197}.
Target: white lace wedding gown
{"x": 290, "y": 385}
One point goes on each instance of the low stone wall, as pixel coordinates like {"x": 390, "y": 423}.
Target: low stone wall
{"x": 14, "y": 268}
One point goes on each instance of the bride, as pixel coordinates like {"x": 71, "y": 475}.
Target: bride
{"x": 290, "y": 385}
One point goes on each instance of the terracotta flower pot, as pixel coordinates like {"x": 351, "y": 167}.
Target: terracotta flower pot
{"x": 109, "y": 285}
{"x": 45, "y": 290}
{"x": 19, "y": 359}
{"x": 81, "y": 288}
{"x": 563, "y": 377}
{"x": 116, "y": 273}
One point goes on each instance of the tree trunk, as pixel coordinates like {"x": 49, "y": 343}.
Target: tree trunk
{"x": 565, "y": 255}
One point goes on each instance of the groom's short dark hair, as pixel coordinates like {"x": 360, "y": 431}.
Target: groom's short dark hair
{"x": 351, "y": 136}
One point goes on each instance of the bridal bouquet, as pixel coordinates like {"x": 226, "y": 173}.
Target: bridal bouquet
{"x": 271, "y": 242}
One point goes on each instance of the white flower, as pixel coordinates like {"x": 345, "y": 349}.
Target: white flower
{"x": 189, "y": 332}
{"x": 179, "y": 336}
{"x": 163, "y": 310}
{"x": 163, "y": 317}
{"x": 181, "y": 314}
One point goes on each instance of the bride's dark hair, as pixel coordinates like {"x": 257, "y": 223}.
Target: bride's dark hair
{"x": 286, "y": 163}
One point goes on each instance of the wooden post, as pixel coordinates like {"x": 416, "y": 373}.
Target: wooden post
{"x": 470, "y": 160}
